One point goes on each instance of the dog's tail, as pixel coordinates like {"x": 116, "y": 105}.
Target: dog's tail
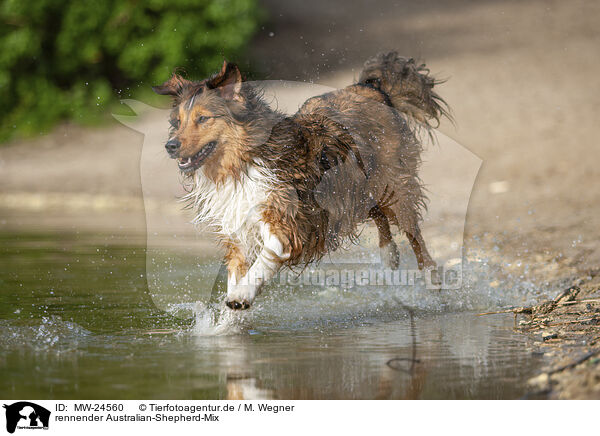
{"x": 408, "y": 86}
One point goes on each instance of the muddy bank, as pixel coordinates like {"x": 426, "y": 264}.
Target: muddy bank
{"x": 567, "y": 330}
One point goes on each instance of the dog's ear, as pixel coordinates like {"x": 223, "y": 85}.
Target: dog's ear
{"x": 228, "y": 82}
{"x": 173, "y": 86}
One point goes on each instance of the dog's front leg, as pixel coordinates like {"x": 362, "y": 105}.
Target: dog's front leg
{"x": 241, "y": 293}
{"x": 237, "y": 265}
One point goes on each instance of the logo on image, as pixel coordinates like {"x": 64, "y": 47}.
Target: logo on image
{"x": 26, "y": 415}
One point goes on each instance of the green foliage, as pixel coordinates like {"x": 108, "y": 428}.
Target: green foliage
{"x": 66, "y": 59}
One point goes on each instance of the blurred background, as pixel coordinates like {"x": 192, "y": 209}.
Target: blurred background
{"x": 523, "y": 83}
{"x": 521, "y": 80}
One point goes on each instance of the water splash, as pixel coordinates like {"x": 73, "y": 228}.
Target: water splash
{"x": 216, "y": 320}
{"x": 52, "y": 333}
{"x": 309, "y": 307}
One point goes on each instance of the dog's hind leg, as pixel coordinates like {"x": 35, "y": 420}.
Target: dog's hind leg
{"x": 424, "y": 259}
{"x": 387, "y": 246}
{"x": 417, "y": 243}
{"x": 241, "y": 293}
{"x": 406, "y": 218}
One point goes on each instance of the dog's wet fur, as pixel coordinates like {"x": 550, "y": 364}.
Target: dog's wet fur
{"x": 285, "y": 190}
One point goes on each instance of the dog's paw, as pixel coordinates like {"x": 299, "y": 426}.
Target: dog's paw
{"x": 237, "y": 305}
{"x": 390, "y": 256}
{"x": 240, "y": 296}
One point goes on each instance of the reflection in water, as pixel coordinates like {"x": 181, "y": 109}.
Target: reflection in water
{"x": 78, "y": 323}
{"x": 441, "y": 356}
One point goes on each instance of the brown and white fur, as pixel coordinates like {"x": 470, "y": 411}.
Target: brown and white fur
{"x": 283, "y": 190}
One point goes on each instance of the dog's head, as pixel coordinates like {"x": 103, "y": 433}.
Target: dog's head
{"x": 207, "y": 120}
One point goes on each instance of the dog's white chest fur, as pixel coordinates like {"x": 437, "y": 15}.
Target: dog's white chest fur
{"x": 232, "y": 208}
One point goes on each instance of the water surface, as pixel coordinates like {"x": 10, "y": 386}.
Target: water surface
{"x": 77, "y": 321}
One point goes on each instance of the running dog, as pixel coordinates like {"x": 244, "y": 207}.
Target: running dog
{"x": 285, "y": 190}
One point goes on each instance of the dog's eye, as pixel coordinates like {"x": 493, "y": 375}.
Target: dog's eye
{"x": 174, "y": 123}
{"x": 201, "y": 119}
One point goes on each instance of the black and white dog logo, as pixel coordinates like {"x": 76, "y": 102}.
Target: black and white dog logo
{"x": 26, "y": 415}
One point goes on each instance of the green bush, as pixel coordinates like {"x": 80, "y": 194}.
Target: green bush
{"x": 71, "y": 59}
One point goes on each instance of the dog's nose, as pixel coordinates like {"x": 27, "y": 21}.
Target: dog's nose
{"x": 173, "y": 145}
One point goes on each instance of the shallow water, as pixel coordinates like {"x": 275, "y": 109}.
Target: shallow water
{"x": 77, "y": 321}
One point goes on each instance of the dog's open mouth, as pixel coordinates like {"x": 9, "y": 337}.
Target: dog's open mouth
{"x": 191, "y": 163}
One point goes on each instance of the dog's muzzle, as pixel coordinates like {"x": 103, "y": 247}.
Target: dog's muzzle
{"x": 172, "y": 146}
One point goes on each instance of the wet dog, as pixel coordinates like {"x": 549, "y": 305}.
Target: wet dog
{"x": 285, "y": 190}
